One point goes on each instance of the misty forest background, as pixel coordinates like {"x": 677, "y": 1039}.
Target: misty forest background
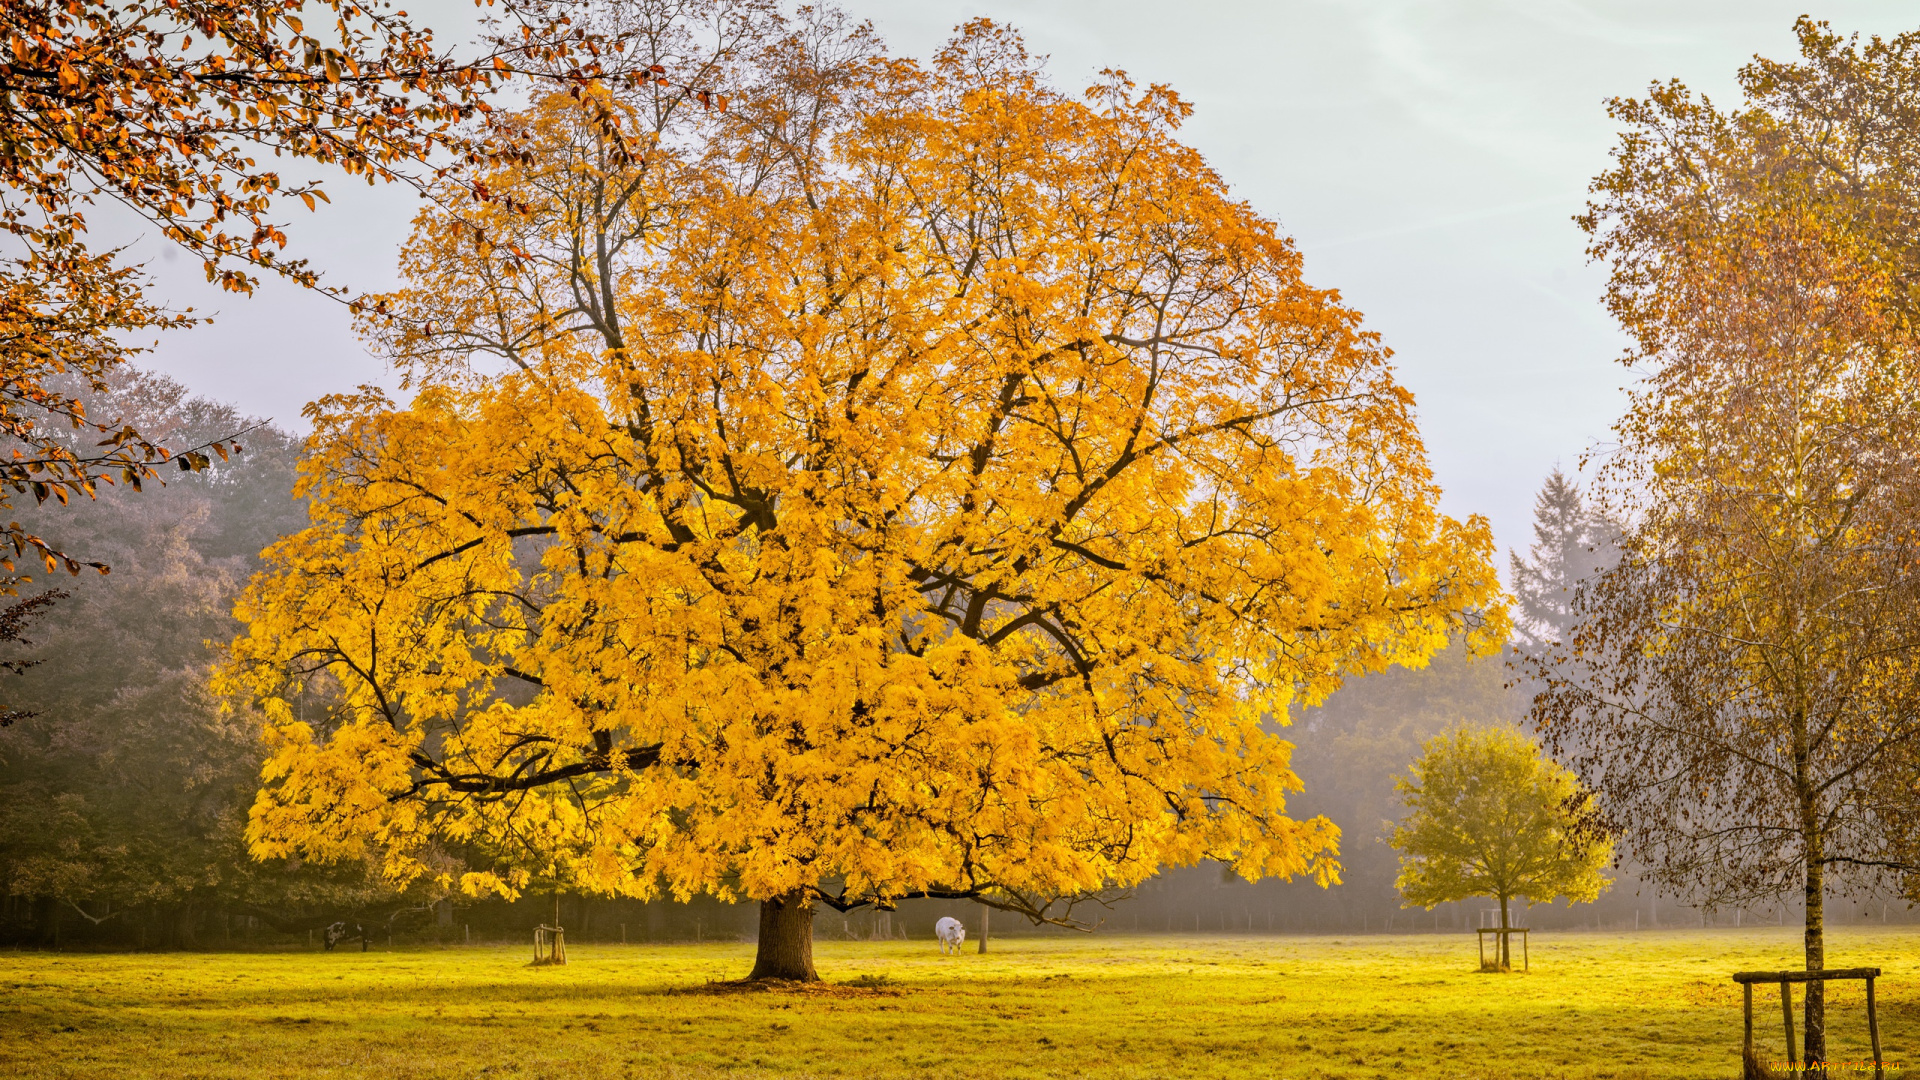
{"x": 124, "y": 795}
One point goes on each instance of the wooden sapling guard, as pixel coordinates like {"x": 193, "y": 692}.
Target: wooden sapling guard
{"x": 1750, "y": 1067}
{"x": 549, "y": 945}
{"x": 1504, "y": 947}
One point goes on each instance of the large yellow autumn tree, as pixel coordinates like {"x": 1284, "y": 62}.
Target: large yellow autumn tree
{"x": 908, "y": 481}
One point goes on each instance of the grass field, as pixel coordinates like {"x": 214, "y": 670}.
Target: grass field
{"x": 1595, "y": 1005}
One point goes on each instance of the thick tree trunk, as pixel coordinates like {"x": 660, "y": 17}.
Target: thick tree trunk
{"x": 786, "y": 939}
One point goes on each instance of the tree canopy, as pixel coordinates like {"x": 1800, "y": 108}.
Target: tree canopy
{"x": 168, "y": 109}
{"x": 113, "y": 100}
{"x": 1489, "y": 815}
{"x": 909, "y": 481}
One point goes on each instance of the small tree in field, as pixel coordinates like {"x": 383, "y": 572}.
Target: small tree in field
{"x": 1489, "y": 815}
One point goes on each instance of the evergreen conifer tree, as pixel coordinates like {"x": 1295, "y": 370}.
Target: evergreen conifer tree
{"x": 1571, "y": 542}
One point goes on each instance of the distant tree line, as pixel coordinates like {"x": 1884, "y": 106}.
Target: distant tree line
{"x": 123, "y": 785}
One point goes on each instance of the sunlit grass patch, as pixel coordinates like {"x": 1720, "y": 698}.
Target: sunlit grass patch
{"x": 1626, "y": 1006}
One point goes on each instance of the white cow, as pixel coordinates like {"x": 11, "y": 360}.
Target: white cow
{"x": 951, "y": 933}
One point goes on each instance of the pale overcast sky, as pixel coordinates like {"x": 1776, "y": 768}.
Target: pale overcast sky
{"x": 1426, "y": 154}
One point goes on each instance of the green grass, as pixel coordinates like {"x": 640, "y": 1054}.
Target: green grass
{"x": 1595, "y": 1005}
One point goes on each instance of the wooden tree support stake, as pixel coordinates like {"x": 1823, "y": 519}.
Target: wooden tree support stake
{"x": 1505, "y": 946}
{"x": 1786, "y": 1015}
{"x": 1873, "y": 1028}
{"x": 1746, "y": 1053}
{"x": 549, "y": 945}
{"x": 1786, "y": 979}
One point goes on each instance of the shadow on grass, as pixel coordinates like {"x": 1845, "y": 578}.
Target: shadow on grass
{"x": 864, "y": 986}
